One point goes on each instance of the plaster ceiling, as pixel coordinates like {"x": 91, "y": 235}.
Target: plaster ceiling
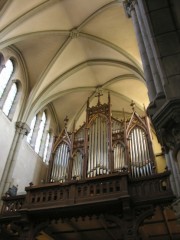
{"x": 72, "y": 47}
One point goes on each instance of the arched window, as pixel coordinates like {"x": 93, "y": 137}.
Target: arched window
{"x": 40, "y": 136}
{"x": 10, "y": 99}
{"x": 46, "y": 148}
{"x": 32, "y": 129}
{"x": 40, "y": 133}
{"x": 5, "y": 76}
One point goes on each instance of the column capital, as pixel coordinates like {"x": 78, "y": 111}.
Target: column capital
{"x": 129, "y": 5}
{"x": 22, "y": 128}
{"x": 166, "y": 121}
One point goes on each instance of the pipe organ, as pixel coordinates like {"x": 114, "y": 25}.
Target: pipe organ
{"x": 103, "y": 145}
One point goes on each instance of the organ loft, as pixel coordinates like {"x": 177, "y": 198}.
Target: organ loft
{"x": 102, "y": 182}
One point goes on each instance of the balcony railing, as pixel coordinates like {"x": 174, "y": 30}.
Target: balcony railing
{"x": 152, "y": 188}
{"x": 13, "y": 204}
{"x": 77, "y": 192}
{"x": 107, "y": 188}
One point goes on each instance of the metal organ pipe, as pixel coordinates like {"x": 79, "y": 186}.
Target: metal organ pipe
{"x": 93, "y": 143}
{"x": 139, "y": 156}
{"x": 56, "y": 166}
{"x": 133, "y": 159}
{"x": 98, "y": 147}
{"x": 95, "y": 150}
{"x": 62, "y": 162}
{"x": 139, "y": 153}
{"x": 106, "y": 167}
{"x": 147, "y": 155}
{"x": 59, "y": 170}
{"x": 92, "y": 147}
{"x": 102, "y": 148}
{"x": 142, "y": 151}
{"x": 138, "y": 161}
{"x": 57, "y": 161}
{"x": 89, "y": 154}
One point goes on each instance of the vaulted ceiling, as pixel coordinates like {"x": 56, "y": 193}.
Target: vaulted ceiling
{"x": 71, "y": 48}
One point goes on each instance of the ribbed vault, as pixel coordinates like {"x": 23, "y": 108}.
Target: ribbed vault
{"x": 69, "y": 49}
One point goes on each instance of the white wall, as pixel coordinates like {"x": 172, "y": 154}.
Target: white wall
{"x": 29, "y": 167}
{"x": 7, "y": 130}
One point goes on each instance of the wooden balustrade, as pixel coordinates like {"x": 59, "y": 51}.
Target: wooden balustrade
{"x": 77, "y": 192}
{"x": 100, "y": 189}
{"x": 155, "y": 187}
{"x": 12, "y": 204}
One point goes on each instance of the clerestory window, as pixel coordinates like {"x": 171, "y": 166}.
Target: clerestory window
{"x": 39, "y": 136}
{"x": 5, "y": 76}
{"x": 10, "y": 99}
{"x": 9, "y": 89}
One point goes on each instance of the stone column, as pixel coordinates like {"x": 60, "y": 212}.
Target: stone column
{"x": 130, "y": 11}
{"x": 154, "y": 70}
{"x": 146, "y": 21}
{"x": 175, "y": 172}
{"x": 21, "y": 130}
{"x": 176, "y": 208}
{"x": 172, "y": 177}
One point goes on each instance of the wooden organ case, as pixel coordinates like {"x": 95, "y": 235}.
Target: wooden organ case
{"x": 103, "y": 145}
{"x": 102, "y": 182}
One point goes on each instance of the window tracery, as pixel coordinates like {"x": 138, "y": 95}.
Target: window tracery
{"x": 5, "y": 76}
{"x": 9, "y": 88}
{"x": 40, "y": 137}
{"x": 10, "y": 99}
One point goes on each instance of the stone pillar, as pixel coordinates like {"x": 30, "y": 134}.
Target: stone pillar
{"x": 147, "y": 25}
{"x": 154, "y": 70}
{"x": 176, "y": 208}
{"x": 161, "y": 22}
{"x": 156, "y": 25}
{"x": 175, "y": 174}
{"x": 21, "y": 130}
{"x": 130, "y": 11}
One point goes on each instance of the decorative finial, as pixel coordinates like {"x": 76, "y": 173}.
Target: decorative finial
{"x": 124, "y": 116}
{"x": 66, "y": 121}
{"x": 144, "y": 109}
{"x": 109, "y": 98}
{"x": 99, "y": 94}
{"x": 132, "y": 105}
{"x": 88, "y": 103}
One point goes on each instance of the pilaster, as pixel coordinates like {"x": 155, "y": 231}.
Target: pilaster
{"x": 22, "y": 129}
{"x": 176, "y": 208}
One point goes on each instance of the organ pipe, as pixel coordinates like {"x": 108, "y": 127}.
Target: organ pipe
{"x": 102, "y": 146}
